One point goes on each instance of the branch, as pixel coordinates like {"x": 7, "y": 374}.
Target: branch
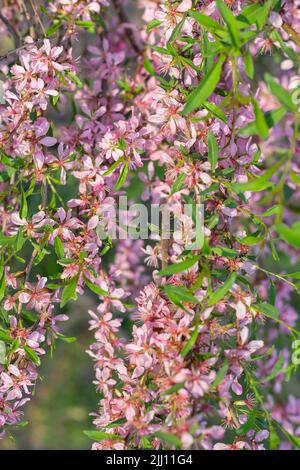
{"x": 288, "y": 29}
{"x": 123, "y": 19}
{"x": 21, "y": 48}
{"x": 11, "y": 30}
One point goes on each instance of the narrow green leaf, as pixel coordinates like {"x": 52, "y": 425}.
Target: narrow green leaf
{"x": 168, "y": 438}
{"x": 249, "y": 66}
{"x": 267, "y": 309}
{"x": 116, "y": 423}
{"x": 293, "y": 439}
{"x": 206, "y": 21}
{"x": 190, "y": 343}
{"x": 212, "y": 151}
{"x": 250, "y": 424}
{"x": 276, "y": 370}
{"x": 102, "y": 436}
{"x": 179, "y": 183}
{"x": 283, "y": 95}
{"x": 59, "y": 248}
{"x": 69, "y": 292}
{"x": 220, "y": 293}
{"x": 231, "y": 23}
{"x": 215, "y": 111}
{"x": 2, "y": 287}
{"x": 74, "y": 79}
{"x": 260, "y": 120}
{"x": 179, "y": 267}
{"x": 260, "y": 183}
{"x": 293, "y": 275}
{"x": 96, "y": 289}
{"x": 5, "y": 337}
{"x": 291, "y": 235}
{"x": 122, "y": 177}
{"x": 32, "y": 355}
{"x": 180, "y": 292}
{"x": 2, "y": 352}
{"x": 271, "y": 118}
{"x": 175, "y": 388}
{"x": 205, "y": 88}
{"x": 24, "y": 206}
{"x": 221, "y": 373}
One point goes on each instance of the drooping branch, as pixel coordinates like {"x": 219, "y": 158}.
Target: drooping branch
{"x": 11, "y": 30}
{"x": 123, "y": 19}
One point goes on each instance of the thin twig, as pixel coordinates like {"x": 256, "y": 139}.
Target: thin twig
{"x": 30, "y": 264}
{"x": 123, "y": 18}
{"x": 21, "y": 48}
{"x": 33, "y": 6}
{"x": 11, "y": 30}
{"x": 288, "y": 29}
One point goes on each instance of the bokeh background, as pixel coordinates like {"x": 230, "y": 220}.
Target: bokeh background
{"x": 65, "y": 396}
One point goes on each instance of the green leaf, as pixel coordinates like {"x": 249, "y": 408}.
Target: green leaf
{"x": 271, "y": 211}
{"x": 24, "y": 207}
{"x": 277, "y": 369}
{"x": 6, "y": 241}
{"x": 69, "y": 292}
{"x": 249, "y": 67}
{"x": 179, "y": 183}
{"x": 66, "y": 339}
{"x": 293, "y": 275}
{"x": 215, "y": 111}
{"x": 96, "y": 289}
{"x": 179, "y": 293}
{"x": 152, "y": 24}
{"x": 221, "y": 373}
{"x": 32, "y": 355}
{"x": 168, "y": 438}
{"x": 175, "y": 388}
{"x": 149, "y": 67}
{"x": 283, "y": 95}
{"x": 53, "y": 28}
{"x": 190, "y": 343}
{"x": 260, "y": 121}
{"x": 295, "y": 178}
{"x": 271, "y": 118}
{"x": 206, "y": 87}
{"x": 291, "y": 235}
{"x": 176, "y": 31}
{"x": 116, "y": 423}
{"x": 179, "y": 267}
{"x": 59, "y": 248}
{"x": 101, "y": 436}
{"x": 266, "y": 309}
{"x": 2, "y": 287}
{"x": 5, "y": 337}
{"x": 212, "y": 151}
{"x": 220, "y": 293}
{"x": 2, "y": 352}
{"x": 122, "y": 177}
{"x": 274, "y": 439}
{"x": 74, "y": 79}
{"x": 231, "y": 23}
{"x": 88, "y": 25}
{"x": 206, "y": 21}
{"x": 254, "y": 14}
{"x": 257, "y": 184}
{"x": 293, "y": 439}
{"x": 248, "y": 425}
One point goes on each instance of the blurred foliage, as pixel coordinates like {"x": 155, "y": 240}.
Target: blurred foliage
{"x": 59, "y": 410}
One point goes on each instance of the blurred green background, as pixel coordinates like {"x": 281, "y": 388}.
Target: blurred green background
{"x": 59, "y": 410}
